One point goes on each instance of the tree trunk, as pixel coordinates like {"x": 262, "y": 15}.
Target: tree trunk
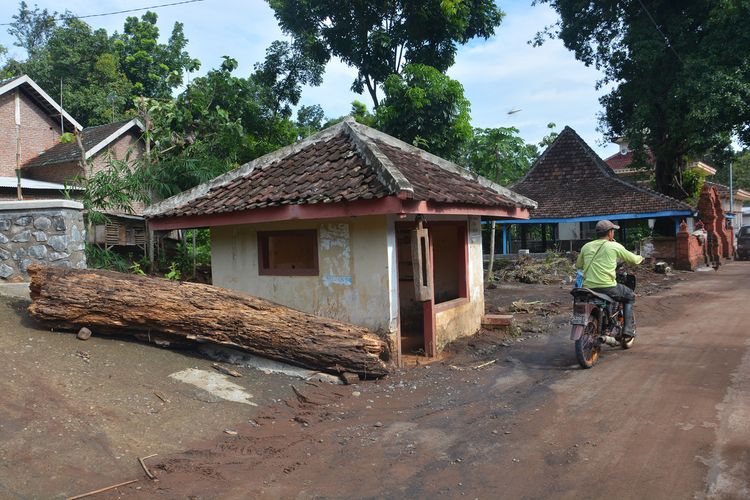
{"x": 160, "y": 310}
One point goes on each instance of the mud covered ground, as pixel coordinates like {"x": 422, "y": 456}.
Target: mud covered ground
{"x": 500, "y": 413}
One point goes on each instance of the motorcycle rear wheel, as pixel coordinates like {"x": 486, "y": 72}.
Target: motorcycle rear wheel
{"x": 587, "y": 347}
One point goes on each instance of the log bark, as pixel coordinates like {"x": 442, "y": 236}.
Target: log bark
{"x": 160, "y": 310}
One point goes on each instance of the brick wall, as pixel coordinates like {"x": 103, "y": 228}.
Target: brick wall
{"x": 38, "y": 131}
{"x": 690, "y": 250}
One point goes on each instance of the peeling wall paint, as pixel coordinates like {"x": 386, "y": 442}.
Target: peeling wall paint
{"x": 353, "y": 282}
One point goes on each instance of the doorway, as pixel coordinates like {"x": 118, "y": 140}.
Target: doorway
{"x": 446, "y": 254}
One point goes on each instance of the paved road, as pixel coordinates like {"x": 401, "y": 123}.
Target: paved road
{"x": 668, "y": 419}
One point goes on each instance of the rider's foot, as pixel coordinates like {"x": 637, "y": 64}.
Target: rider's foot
{"x": 631, "y": 334}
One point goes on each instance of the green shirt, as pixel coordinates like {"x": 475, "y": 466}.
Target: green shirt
{"x": 601, "y": 272}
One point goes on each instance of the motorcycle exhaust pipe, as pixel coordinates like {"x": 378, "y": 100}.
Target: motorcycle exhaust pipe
{"x": 610, "y": 341}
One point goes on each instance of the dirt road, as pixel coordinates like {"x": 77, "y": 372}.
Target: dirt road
{"x": 668, "y": 419}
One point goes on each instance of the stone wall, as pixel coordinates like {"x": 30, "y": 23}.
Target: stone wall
{"x": 47, "y": 232}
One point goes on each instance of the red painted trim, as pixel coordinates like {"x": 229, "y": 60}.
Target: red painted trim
{"x": 381, "y": 206}
{"x": 264, "y": 270}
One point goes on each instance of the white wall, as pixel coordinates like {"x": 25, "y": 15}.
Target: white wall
{"x": 352, "y": 285}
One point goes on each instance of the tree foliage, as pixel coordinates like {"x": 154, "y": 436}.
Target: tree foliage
{"x": 100, "y": 73}
{"x": 679, "y": 71}
{"x": 32, "y": 28}
{"x": 499, "y": 154}
{"x": 154, "y": 68}
{"x": 424, "y": 107}
{"x": 380, "y": 37}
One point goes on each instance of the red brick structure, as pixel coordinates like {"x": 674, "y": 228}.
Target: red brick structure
{"x": 690, "y": 249}
{"x": 720, "y": 239}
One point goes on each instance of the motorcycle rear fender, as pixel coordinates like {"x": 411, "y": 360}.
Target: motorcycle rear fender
{"x": 580, "y": 308}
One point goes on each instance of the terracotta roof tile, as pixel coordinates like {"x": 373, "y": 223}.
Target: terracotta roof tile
{"x": 331, "y": 168}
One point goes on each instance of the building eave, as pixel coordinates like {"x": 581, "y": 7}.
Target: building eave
{"x": 592, "y": 218}
{"x": 391, "y": 205}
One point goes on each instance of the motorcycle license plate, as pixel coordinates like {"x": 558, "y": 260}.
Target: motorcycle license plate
{"x": 578, "y": 319}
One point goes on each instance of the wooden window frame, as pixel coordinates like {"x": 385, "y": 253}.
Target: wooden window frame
{"x": 263, "y": 270}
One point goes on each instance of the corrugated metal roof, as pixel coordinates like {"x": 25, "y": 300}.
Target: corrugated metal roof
{"x": 12, "y": 182}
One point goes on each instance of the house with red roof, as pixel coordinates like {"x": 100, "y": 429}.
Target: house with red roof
{"x": 355, "y": 225}
{"x": 574, "y": 189}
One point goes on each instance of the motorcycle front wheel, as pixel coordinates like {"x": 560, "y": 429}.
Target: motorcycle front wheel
{"x": 588, "y": 346}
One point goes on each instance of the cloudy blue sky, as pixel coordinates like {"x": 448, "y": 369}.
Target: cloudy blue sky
{"x": 547, "y": 84}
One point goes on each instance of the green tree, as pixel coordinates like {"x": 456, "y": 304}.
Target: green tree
{"x": 424, "y": 107}
{"x": 93, "y": 85}
{"x": 154, "y": 69}
{"x": 283, "y": 72}
{"x": 309, "y": 119}
{"x": 380, "y": 37}
{"x": 499, "y": 154}
{"x": 32, "y": 28}
{"x": 740, "y": 170}
{"x": 680, "y": 73}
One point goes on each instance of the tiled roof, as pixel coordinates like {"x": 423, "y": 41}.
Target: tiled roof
{"x": 344, "y": 163}
{"x": 69, "y": 151}
{"x": 570, "y": 180}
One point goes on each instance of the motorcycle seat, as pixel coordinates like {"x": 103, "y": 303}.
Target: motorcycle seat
{"x": 579, "y": 292}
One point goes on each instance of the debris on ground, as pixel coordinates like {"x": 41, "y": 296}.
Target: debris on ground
{"x": 538, "y": 307}
{"x": 554, "y": 268}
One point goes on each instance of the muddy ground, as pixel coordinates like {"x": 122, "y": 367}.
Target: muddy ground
{"x": 503, "y": 415}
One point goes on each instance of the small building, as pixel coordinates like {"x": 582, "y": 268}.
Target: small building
{"x": 574, "y": 189}
{"x": 355, "y": 225}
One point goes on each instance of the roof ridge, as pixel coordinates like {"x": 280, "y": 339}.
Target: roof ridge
{"x": 391, "y": 176}
{"x": 442, "y": 163}
{"x": 174, "y": 202}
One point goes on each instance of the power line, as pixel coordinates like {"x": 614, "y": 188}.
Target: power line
{"x": 666, "y": 39}
{"x": 121, "y": 11}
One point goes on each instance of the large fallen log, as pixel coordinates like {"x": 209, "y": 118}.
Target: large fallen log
{"x": 156, "y": 309}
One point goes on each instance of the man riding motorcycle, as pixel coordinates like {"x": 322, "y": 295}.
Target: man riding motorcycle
{"x": 598, "y": 259}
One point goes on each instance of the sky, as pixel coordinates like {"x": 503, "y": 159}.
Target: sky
{"x": 501, "y": 74}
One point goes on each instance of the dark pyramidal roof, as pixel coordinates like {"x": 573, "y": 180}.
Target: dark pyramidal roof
{"x": 570, "y": 180}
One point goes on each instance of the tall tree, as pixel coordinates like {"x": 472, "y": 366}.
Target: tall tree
{"x": 32, "y": 28}
{"x": 680, "y": 73}
{"x": 93, "y": 85}
{"x": 380, "y": 37}
{"x": 153, "y": 68}
{"x": 283, "y": 72}
{"x": 424, "y": 107}
{"x": 499, "y": 154}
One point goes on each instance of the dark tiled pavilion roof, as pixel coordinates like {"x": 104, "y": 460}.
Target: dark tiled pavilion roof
{"x": 69, "y": 151}
{"x": 344, "y": 163}
{"x": 570, "y": 180}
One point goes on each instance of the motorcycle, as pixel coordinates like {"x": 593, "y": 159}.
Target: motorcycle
{"x": 598, "y": 319}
